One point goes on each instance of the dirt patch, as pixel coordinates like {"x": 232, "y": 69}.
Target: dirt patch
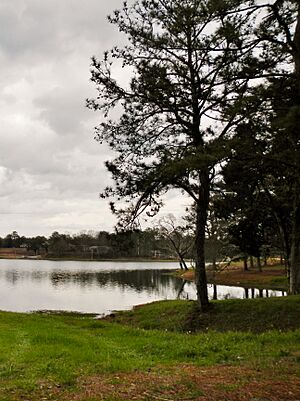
{"x": 187, "y": 382}
{"x": 250, "y": 276}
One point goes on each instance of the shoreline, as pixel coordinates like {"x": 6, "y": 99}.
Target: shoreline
{"x": 144, "y": 260}
{"x": 271, "y": 277}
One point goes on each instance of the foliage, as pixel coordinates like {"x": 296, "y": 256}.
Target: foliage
{"x": 180, "y": 55}
{"x": 191, "y": 63}
{"x": 97, "y": 245}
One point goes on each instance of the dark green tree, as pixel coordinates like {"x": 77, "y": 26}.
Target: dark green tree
{"x": 148, "y": 242}
{"x": 277, "y": 65}
{"x": 59, "y": 244}
{"x": 279, "y": 33}
{"x": 187, "y": 62}
{"x": 7, "y": 241}
{"x": 36, "y": 243}
{"x": 124, "y": 244}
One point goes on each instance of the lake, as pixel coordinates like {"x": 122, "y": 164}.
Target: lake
{"x": 97, "y": 287}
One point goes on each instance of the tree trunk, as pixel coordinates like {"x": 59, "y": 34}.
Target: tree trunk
{"x": 215, "y": 292}
{"x": 181, "y": 289}
{"x": 295, "y": 253}
{"x": 295, "y": 239}
{"x": 182, "y": 262}
{"x": 294, "y": 287}
{"x": 283, "y": 231}
{"x": 214, "y": 263}
{"x": 251, "y": 262}
{"x": 259, "y": 264}
{"x": 245, "y": 263}
{"x": 201, "y": 216}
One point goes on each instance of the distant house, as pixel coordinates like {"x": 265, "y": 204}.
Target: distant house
{"x": 98, "y": 251}
{"x": 161, "y": 254}
{"x": 13, "y": 253}
{"x": 157, "y": 253}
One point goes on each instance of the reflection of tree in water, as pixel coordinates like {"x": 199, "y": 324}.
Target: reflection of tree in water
{"x": 158, "y": 281}
{"x": 260, "y": 293}
{"x": 139, "y": 280}
{"x": 15, "y": 276}
{"x": 12, "y": 276}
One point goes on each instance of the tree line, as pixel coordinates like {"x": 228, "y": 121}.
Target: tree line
{"x": 148, "y": 243}
{"x": 168, "y": 238}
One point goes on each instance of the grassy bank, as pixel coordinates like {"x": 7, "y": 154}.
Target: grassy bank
{"x": 248, "y": 315}
{"x": 271, "y": 277}
{"x": 77, "y": 357}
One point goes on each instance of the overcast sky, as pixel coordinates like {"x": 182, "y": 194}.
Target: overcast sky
{"x": 51, "y": 168}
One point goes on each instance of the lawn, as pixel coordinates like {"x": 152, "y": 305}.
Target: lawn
{"x": 158, "y": 351}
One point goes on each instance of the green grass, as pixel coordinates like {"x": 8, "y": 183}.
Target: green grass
{"x": 281, "y": 282}
{"x": 255, "y": 315}
{"x": 39, "y": 348}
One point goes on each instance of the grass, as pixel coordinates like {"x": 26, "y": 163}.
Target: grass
{"x": 248, "y": 315}
{"x": 45, "y": 354}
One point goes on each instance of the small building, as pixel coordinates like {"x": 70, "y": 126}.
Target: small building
{"x": 13, "y": 253}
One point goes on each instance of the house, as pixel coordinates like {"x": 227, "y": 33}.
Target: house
{"x": 13, "y": 253}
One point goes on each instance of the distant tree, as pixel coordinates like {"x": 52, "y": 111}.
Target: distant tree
{"x": 8, "y": 241}
{"x": 149, "y": 241}
{"x": 123, "y": 243}
{"x": 253, "y": 218}
{"x": 16, "y": 239}
{"x": 59, "y": 244}
{"x": 103, "y": 238}
{"x": 178, "y": 238}
{"x": 82, "y": 242}
{"x": 36, "y": 244}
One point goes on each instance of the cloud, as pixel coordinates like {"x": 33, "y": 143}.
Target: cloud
{"x": 51, "y": 169}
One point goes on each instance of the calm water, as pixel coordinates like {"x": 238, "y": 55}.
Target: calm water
{"x": 96, "y": 287}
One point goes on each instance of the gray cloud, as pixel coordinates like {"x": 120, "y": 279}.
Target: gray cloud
{"x": 51, "y": 169}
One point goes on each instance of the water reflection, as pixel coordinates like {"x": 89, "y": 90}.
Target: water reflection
{"x": 229, "y": 292}
{"x": 98, "y": 287}
{"x": 11, "y": 276}
{"x": 135, "y": 279}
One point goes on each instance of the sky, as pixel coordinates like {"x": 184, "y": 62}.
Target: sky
{"x": 51, "y": 168}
